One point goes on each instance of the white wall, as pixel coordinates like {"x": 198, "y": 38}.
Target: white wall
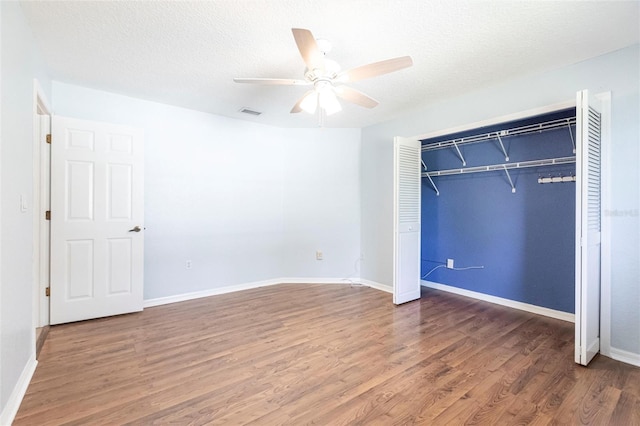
{"x": 20, "y": 64}
{"x": 618, "y": 72}
{"x": 244, "y": 202}
{"x": 2, "y": 400}
{"x": 377, "y": 203}
{"x": 322, "y": 203}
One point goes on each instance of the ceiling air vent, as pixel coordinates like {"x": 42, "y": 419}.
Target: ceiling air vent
{"x": 250, "y": 111}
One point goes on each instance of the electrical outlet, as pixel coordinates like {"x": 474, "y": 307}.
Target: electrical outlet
{"x": 318, "y": 255}
{"x": 450, "y": 263}
{"x": 188, "y": 264}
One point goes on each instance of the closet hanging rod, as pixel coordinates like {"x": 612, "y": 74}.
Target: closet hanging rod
{"x": 502, "y": 167}
{"x": 531, "y": 128}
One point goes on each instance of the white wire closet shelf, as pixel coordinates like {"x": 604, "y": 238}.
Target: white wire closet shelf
{"x": 495, "y": 167}
{"x": 498, "y": 135}
{"x": 521, "y": 130}
{"x": 503, "y": 166}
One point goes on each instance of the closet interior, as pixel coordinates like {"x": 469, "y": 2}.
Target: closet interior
{"x": 498, "y": 210}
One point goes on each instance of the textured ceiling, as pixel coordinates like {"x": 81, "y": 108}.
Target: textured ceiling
{"x": 187, "y": 53}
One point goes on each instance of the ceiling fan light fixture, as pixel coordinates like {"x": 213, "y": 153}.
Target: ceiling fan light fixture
{"x": 328, "y": 101}
{"x": 310, "y": 102}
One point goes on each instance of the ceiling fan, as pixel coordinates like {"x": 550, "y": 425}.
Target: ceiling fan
{"x": 326, "y": 77}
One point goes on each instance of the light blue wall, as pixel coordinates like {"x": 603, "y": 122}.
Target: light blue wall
{"x": 617, "y": 72}
{"x": 244, "y": 202}
{"x": 20, "y": 65}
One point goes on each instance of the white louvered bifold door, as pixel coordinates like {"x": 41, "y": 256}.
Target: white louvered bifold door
{"x": 588, "y": 220}
{"x": 406, "y": 218}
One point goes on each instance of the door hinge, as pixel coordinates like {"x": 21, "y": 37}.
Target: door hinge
{"x": 47, "y": 291}
{"x": 47, "y": 215}
{"x": 49, "y": 138}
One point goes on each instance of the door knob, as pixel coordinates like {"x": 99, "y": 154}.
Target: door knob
{"x": 135, "y": 229}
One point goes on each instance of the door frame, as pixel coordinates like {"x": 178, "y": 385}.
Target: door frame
{"x": 41, "y": 106}
{"x": 605, "y": 281}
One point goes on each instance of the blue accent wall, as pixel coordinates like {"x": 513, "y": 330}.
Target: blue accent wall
{"x": 524, "y": 240}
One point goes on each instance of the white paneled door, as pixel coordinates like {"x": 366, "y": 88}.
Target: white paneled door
{"x": 97, "y": 220}
{"x": 406, "y": 220}
{"x": 588, "y": 227}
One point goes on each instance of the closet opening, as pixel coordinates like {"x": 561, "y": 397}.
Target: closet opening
{"x": 505, "y": 211}
{"x": 498, "y": 213}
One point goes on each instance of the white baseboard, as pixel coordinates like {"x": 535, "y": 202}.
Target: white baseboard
{"x": 624, "y": 356}
{"x": 148, "y": 303}
{"x": 564, "y": 316}
{"x": 376, "y": 285}
{"x": 352, "y": 281}
{"x": 15, "y": 399}
{"x": 308, "y": 280}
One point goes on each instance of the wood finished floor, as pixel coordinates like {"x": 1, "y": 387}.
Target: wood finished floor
{"x": 325, "y": 355}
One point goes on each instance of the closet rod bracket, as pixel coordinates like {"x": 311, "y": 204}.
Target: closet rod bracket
{"x": 504, "y": 151}
{"x": 434, "y": 185}
{"x": 513, "y": 188}
{"x": 573, "y": 142}
{"x": 464, "y": 163}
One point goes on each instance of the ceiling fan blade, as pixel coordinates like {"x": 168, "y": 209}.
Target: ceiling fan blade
{"x": 311, "y": 54}
{"x": 273, "y": 81}
{"x": 297, "y": 107}
{"x": 355, "y": 97}
{"x": 375, "y": 69}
